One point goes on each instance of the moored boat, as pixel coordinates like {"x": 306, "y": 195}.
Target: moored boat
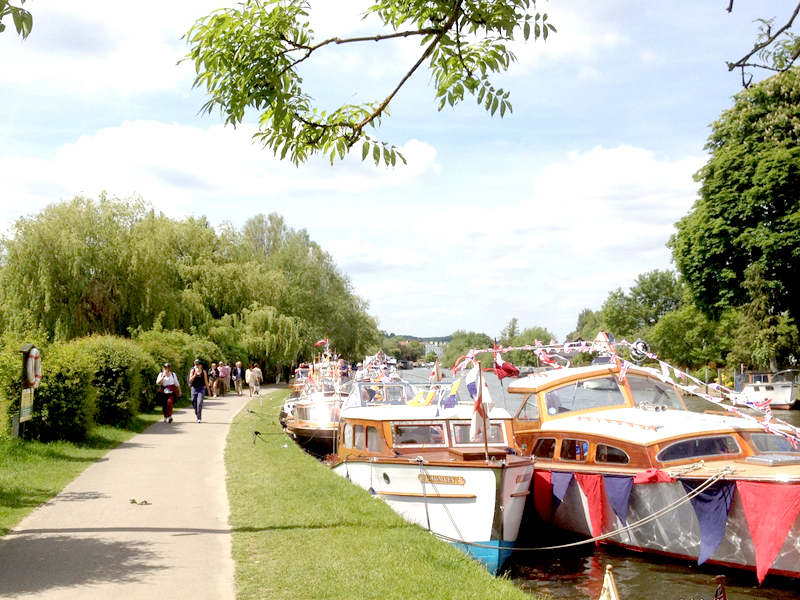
{"x": 765, "y": 388}
{"x": 315, "y": 417}
{"x": 412, "y": 446}
{"x": 620, "y": 460}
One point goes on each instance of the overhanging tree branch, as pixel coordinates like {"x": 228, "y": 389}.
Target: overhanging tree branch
{"x": 776, "y": 50}
{"x": 248, "y": 58}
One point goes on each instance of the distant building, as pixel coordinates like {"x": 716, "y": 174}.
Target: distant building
{"x": 437, "y": 348}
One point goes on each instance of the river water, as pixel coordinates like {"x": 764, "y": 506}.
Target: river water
{"x": 577, "y": 573}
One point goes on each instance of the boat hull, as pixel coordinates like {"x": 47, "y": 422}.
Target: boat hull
{"x": 314, "y": 438}
{"x": 779, "y": 395}
{"x": 478, "y": 508}
{"x": 677, "y": 533}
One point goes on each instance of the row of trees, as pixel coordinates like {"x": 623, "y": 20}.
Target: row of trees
{"x": 114, "y": 266}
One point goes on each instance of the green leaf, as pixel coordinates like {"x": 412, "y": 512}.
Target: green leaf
{"x": 364, "y": 151}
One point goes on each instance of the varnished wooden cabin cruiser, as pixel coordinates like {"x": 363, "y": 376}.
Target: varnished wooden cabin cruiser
{"x": 620, "y": 457}
{"x": 411, "y": 446}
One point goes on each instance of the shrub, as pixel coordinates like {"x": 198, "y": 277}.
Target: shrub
{"x": 124, "y": 377}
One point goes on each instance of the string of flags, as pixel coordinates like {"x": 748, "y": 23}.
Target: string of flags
{"x": 666, "y": 373}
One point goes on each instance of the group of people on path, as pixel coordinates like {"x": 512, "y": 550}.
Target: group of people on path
{"x": 214, "y": 381}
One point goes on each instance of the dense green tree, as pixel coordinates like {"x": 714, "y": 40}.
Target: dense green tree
{"x": 764, "y": 339}
{"x": 652, "y": 295}
{"x": 590, "y": 322}
{"x": 509, "y": 332}
{"x": 687, "y": 337}
{"x": 748, "y": 209}
{"x": 113, "y": 266}
{"x": 529, "y": 336}
{"x": 249, "y": 58}
{"x": 463, "y": 342}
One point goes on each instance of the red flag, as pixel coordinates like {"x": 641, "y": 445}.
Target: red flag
{"x": 502, "y": 368}
{"x": 592, "y": 487}
{"x": 770, "y": 509}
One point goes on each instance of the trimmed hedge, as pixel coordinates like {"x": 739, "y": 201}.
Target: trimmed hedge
{"x": 95, "y": 380}
{"x": 124, "y": 377}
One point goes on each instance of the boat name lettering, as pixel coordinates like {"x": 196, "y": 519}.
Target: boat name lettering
{"x": 444, "y": 479}
{"x": 523, "y": 477}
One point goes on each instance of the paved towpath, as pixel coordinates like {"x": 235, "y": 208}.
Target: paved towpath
{"x": 93, "y": 542}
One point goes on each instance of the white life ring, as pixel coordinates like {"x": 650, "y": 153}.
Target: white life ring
{"x": 33, "y": 368}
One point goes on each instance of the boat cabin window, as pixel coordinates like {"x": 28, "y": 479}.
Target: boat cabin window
{"x": 461, "y": 434}
{"x": 611, "y": 455}
{"x": 545, "y": 448}
{"x": 418, "y": 434}
{"x": 373, "y": 440}
{"x": 699, "y": 447}
{"x": 582, "y": 395}
{"x": 574, "y": 450}
{"x": 653, "y": 392}
{"x": 769, "y": 442}
{"x": 392, "y": 393}
{"x": 529, "y": 410}
{"x": 348, "y": 435}
{"x": 358, "y": 437}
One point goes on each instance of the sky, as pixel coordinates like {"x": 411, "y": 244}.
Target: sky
{"x": 535, "y": 216}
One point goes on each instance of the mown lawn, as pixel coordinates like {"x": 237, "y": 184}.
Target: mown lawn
{"x": 300, "y": 531}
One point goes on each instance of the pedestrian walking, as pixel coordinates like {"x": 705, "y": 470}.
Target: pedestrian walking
{"x": 169, "y": 388}
{"x": 225, "y": 377}
{"x": 198, "y": 379}
{"x": 248, "y": 375}
{"x": 213, "y": 379}
{"x": 237, "y": 373}
{"x": 256, "y": 378}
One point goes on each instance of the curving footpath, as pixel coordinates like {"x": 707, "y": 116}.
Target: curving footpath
{"x": 149, "y": 520}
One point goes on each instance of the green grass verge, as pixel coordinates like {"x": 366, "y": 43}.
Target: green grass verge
{"x": 32, "y": 472}
{"x": 301, "y": 531}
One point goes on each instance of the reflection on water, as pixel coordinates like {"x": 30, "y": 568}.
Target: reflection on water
{"x": 577, "y": 573}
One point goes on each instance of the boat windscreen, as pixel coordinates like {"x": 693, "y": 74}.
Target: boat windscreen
{"x": 652, "y": 392}
{"x": 584, "y": 394}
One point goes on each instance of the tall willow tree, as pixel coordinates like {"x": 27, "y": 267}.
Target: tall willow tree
{"x": 112, "y": 266}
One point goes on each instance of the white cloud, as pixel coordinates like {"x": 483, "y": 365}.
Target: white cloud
{"x": 355, "y": 255}
{"x": 182, "y": 169}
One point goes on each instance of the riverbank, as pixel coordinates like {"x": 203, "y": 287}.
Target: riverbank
{"x": 300, "y": 531}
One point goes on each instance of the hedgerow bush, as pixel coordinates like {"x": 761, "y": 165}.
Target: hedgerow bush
{"x": 124, "y": 377}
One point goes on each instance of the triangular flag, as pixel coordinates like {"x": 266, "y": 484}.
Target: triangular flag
{"x": 561, "y": 483}
{"x": 711, "y": 507}
{"x": 592, "y": 486}
{"x": 436, "y": 372}
{"x": 543, "y": 494}
{"x": 618, "y": 492}
{"x": 770, "y": 509}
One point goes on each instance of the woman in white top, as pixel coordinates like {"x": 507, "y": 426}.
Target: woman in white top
{"x": 170, "y": 388}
